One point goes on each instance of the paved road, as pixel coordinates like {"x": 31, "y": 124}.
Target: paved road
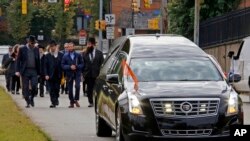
{"x": 62, "y": 123}
{"x": 78, "y": 124}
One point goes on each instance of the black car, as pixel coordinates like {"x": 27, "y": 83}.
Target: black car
{"x": 167, "y": 88}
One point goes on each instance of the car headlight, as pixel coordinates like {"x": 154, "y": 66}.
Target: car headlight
{"x": 134, "y": 105}
{"x": 232, "y": 104}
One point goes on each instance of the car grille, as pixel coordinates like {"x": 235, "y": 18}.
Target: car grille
{"x": 185, "y": 107}
{"x": 198, "y": 132}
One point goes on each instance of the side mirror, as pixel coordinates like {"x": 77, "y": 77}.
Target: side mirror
{"x": 112, "y": 78}
{"x": 234, "y": 78}
{"x": 230, "y": 54}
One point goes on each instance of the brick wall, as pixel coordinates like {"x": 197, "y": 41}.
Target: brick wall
{"x": 119, "y": 5}
{"x": 244, "y": 4}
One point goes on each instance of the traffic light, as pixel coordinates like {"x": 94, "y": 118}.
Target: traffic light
{"x": 156, "y": 23}
{"x": 150, "y": 24}
{"x": 24, "y": 7}
{"x": 103, "y": 25}
{"x": 147, "y": 3}
{"x": 134, "y": 6}
{"x": 97, "y": 24}
{"x": 66, "y": 5}
{"x": 153, "y": 23}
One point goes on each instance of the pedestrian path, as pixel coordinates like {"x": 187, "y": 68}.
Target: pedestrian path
{"x": 61, "y": 123}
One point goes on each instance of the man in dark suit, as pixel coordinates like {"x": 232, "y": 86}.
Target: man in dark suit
{"x": 93, "y": 59}
{"x": 41, "y": 79}
{"x": 53, "y": 72}
{"x": 72, "y": 64}
{"x": 28, "y": 67}
{"x": 6, "y": 57}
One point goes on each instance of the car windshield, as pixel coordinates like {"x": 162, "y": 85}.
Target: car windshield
{"x": 174, "y": 69}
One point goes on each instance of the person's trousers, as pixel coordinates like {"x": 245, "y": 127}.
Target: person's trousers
{"x": 15, "y": 83}
{"x": 41, "y": 85}
{"x": 73, "y": 97}
{"x": 27, "y": 93}
{"x": 54, "y": 91}
{"x": 84, "y": 86}
{"x": 8, "y": 81}
{"x": 90, "y": 86}
{"x": 64, "y": 88}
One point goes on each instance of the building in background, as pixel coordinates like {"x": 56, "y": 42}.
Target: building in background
{"x": 146, "y": 20}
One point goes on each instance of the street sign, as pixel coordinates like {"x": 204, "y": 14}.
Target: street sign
{"x": 82, "y": 40}
{"x": 82, "y": 37}
{"x": 110, "y": 32}
{"x": 52, "y": 1}
{"x": 40, "y": 37}
{"x": 130, "y": 31}
{"x": 110, "y": 19}
{"x": 105, "y": 46}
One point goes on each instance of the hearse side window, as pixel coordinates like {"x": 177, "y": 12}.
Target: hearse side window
{"x": 118, "y": 69}
{"x": 109, "y": 61}
{"x": 126, "y": 47}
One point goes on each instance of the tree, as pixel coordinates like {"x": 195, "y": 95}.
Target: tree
{"x": 181, "y": 13}
{"x": 64, "y": 22}
{"x": 19, "y": 25}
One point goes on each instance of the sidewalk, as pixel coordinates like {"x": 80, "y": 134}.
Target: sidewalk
{"x": 61, "y": 123}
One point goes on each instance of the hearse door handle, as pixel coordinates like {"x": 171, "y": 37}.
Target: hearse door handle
{"x": 105, "y": 87}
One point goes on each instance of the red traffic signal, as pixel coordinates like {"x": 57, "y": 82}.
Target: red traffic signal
{"x": 66, "y": 2}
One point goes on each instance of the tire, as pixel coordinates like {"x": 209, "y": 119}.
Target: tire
{"x": 102, "y": 129}
{"x": 119, "y": 134}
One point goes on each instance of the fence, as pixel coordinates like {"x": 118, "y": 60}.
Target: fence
{"x": 232, "y": 26}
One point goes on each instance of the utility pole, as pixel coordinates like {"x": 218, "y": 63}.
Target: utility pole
{"x": 161, "y": 18}
{"x": 100, "y": 18}
{"x": 196, "y": 21}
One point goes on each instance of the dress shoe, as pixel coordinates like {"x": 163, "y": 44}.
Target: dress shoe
{"x": 27, "y": 106}
{"x": 12, "y": 92}
{"x": 52, "y": 106}
{"x": 17, "y": 92}
{"x": 57, "y": 103}
{"x": 41, "y": 95}
{"x": 71, "y": 106}
{"x": 32, "y": 103}
{"x": 90, "y": 105}
{"x": 77, "y": 104}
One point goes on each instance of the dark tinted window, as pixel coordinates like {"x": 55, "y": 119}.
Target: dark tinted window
{"x": 109, "y": 61}
{"x": 118, "y": 68}
{"x": 126, "y": 47}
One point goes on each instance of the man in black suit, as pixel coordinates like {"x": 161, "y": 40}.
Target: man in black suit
{"x": 53, "y": 72}
{"x": 28, "y": 67}
{"x": 41, "y": 79}
{"x": 93, "y": 59}
{"x": 6, "y": 57}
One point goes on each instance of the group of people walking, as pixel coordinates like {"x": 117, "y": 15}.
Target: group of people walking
{"x": 31, "y": 66}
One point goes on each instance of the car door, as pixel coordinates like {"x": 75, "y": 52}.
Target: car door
{"x": 115, "y": 90}
{"x": 101, "y": 86}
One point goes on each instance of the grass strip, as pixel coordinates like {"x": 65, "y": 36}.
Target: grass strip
{"x": 15, "y": 125}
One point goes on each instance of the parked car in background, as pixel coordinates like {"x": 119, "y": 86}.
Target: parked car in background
{"x": 240, "y": 64}
{"x": 163, "y": 86}
{"x": 3, "y": 50}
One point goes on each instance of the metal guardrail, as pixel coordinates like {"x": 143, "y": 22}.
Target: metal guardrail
{"x": 232, "y": 26}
